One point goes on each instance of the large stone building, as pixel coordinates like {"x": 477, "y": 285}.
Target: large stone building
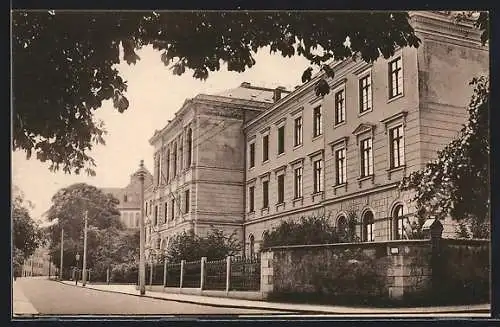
{"x": 245, "y": 163}
{"x": 347, "y": 152}
{"x": 199, "y": 165}
{"x": 130, "y": 201}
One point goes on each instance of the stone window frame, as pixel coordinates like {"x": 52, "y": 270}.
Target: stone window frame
{"x": 397, "y": 55}
{"x": 313, "y": 157}
{"x": 363, "y": 213}
{"x": 265, "y": 178}
{"x": 338, "y": 144}
{"x": 299, "y": 113}
{"x": 341, "y": 85}
{"x": 295, "y": 164}
{"x": 250, "y": 142}
{"x": 360, "y": 76}
{"x": 364, "y": 132}
{"x": 249, "y": 184}
{"x": 280, "y": 171}
{"x": 392, "y": 210}
{"x": 280, "y": 123}
{"x": 398, "y": 119}
{"x": 314, "y": 105}
{"x": 341, "y": 214}
{"x": 263, "y": 133}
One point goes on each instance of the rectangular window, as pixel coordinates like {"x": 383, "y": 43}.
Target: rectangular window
{"x": 158, "y": 170}
{"x": 172, "y": 208}
{"x": 281, "y": 139}
{"x": 252, "y": 155}
{"x": 318, "y": 176}
{"x": 165, "y": 218}
{"x": 174, "y": 161}
{"x": 396, "y": 146}
{"x": 265, "y": 147}
{"x": 251, "y": 194}
{"x": 366, "y": 157}
{"x": 317, "y": 122}
{"x": 265, "y": 194}
{"x": 297, "y": 189}
{"x": 340, "y": 161}
{"x": 186, "y": 201}
{"x": 339, "y": 107}
{"x": 167, "y": 169}
{"x": 365, "y": 94}
{"x": 298, "y": 131}
{"x": 281, "y": 188}
{"x": 395, "y": 78}
{"x": 155, "y": 221}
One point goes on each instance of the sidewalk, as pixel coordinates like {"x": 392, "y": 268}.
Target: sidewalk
{"x": 482, "y": 310}
{"x": 21, "y": 306}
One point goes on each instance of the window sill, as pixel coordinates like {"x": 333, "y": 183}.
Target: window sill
{"x": 339, "y": 186}
{"x": 280, "y": 154}
{"x": 298, "y": 201}
{"x": 298, "y": 146}
{"x": 365, "y": 112}
{"x": 394, "y": 98}
{"x": 316, "y": 137}
{"x": 264, "y": 211}
{"x": 394, "y": 170}
{"x": 365, "y": 178}
{"x": 335, "y": 125}
{"x": 265, "y": 161}
{"x": 280, "y": 206}
{"x": 317, "y": 196}
{"x": 251, "y": 168}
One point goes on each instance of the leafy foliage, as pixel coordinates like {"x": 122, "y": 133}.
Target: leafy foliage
{"x": 309, "y": 230}
{"x": 77, "y": 52}
{"x": 107, "y": 242}
{"x": 190, "y": 247}
{"x": 26, "y": 234}
{"x": 457, "y": 182}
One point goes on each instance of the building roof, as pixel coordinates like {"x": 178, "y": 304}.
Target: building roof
{"x": 246, "y": 91}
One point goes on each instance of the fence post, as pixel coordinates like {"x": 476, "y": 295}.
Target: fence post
{"x": 182, "y": 273}
{"x": 107, "y": 276}
{"x": 165, "y": 273}
{"x": 202, "y": 272}
{"x": 228, "y": 273}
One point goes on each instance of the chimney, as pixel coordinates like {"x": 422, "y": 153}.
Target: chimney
{"x": 277, "y": 93}
{"x": 245, "y": 84}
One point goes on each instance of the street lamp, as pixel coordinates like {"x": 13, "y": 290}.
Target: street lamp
{"x": 77, "y": 257}
{"x": 142, "y": 285}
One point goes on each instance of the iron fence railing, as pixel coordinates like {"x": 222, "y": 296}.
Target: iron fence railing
{"x": 192, "y": 274}
{"x": 173, "y": 275}
{"x": 245, "y": 274}
{"x": 215, "y": 275}
{"x": 157, "y": 277}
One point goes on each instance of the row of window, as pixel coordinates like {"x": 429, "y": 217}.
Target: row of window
{"x": 365, "y": 97}
{"x": 131, "y": 219}
{"x": 174, "y": 158}
{"x": 157, "y": 220}
{"x": 396, "y": 145}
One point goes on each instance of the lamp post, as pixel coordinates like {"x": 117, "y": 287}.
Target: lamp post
{"x": 77, "y": 257}
{"x": 142, "y": 279}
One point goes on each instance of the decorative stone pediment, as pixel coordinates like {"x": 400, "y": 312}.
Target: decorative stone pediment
{"x": 363, "y": 128}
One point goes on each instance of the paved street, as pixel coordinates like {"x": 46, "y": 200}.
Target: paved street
{"x": 53, "y": 298}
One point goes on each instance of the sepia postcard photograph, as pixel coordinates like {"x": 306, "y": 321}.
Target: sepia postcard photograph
{"x": 250, "y": 164}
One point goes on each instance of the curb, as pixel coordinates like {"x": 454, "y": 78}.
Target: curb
{"x": 472, "y": 311}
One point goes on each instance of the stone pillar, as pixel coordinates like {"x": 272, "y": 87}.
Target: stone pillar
{"x": 228, "y": 273}
{"x": 202, "y": 272}
{"x": 395, "y": 271}
{"x": 266, "y": 273}
{"x": 165, "y": 273}
{"x": 182, "y": 273}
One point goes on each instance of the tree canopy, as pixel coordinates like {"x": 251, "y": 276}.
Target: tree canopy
{"x": 107, "y": 242}
{"x": 457, "y": 183}
{"x": 191, "y": 247}
{"x": 26, "y": 234}
{"x": 64, "y": 62}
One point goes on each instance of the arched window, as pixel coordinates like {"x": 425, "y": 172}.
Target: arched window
{"x": 252, "y": 245}
{"x": 189, "y": 146}
{"x": 398, "y": 222}
{"x": 368, "y": 224}
{"x": 342, "y": 226}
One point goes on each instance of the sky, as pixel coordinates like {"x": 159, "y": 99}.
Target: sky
{"x": 155, "y": 94}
